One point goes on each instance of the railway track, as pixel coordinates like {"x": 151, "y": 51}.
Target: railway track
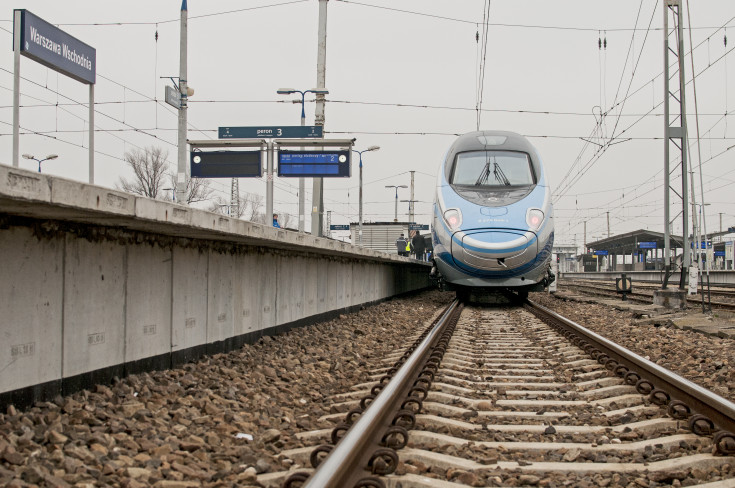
{"x": 511, "y": 396}
{"x": 600, "y": 289}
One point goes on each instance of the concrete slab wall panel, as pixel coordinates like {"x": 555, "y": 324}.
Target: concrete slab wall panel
{"x": 94, "y": 305}
{"x": 188, "y": 300}
{"x": 30, "y": 329}
{"x": 148, "y": 302}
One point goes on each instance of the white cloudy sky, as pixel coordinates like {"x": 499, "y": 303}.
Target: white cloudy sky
{"x": 402, "y": 75}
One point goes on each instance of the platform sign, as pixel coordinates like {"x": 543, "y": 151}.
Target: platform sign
{"x": 339, "y": 227}
{"x": 226, "y": 164}
{"x": 720, "y": 254}
{"x": 314, "y": 164}
{"x": 55, "y": 49}
{"x": 418, "y": 226}
{"x": 600, "y": 253}
{"x": 173, "y": 97}
{"x": 647, "y": 245}
{"x": 287, "y": 131}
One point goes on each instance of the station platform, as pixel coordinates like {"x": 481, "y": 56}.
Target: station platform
{"x": 98, "y": 283}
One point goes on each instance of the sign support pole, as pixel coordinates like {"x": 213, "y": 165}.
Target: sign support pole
{"x": 16, "y": 88}
{"x": 269, "y": 186}
{"x": 181, "y": 168}
{"x": 91, "y": 133}
{"x": 321, "y": 74}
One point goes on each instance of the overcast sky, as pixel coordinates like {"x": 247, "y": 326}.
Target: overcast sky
{"x": 402, "y": 75}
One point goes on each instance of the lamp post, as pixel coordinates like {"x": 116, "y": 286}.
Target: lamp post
{"x": 289, "y": 91}
{"x": 395, "y": 218}
{"x": 50, "y": 156}
{"x": 371, "y": 148}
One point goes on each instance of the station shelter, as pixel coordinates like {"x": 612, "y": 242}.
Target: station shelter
{"x": 566, "y": 257}
{"x": 640, "y": 250}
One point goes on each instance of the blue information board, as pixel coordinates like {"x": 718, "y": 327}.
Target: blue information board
{"x": 288, "y": 131}
{"x": 226, "y": 164}
{"x": 647, "y": 245}
{"x": 339, "y": 227}
{"x": 600, "y": 253}
{"x": 314, "y": 164}
{"x": 418, "y": 226}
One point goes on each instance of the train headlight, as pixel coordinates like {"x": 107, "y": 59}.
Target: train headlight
{"x": 453, "y": 217}
{"x": 534, "y": 218}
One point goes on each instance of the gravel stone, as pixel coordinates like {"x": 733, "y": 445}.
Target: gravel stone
{"x": 219, "y": 421}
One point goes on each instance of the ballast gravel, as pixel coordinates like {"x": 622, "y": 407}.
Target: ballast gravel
{"x": 219, "y": 421}
{"x": 702, "y": 359}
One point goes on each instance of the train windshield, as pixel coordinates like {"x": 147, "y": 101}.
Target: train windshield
{"x": 492, "y": 169}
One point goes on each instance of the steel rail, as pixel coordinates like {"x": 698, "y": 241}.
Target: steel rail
{"x": 350, "y": 455}
{"x": 700, "y": 400}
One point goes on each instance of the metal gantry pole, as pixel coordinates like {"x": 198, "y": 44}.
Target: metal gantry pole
{"x": 181, "y": 173}
{"x": 321, "y": 71}
{"x": 683, "y": 147}
{"x": 302, "y": 180}
{"x": 91, "y": 133}
{"x": 16, "y": 87}
{"x": 667, "y": 175}
{"x": 359, "y": 239}
{"x": 676, "y": 135}
{"x": 411, "y": 202}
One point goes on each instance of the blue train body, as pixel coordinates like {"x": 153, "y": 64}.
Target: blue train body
{"x": 493, "y": 223}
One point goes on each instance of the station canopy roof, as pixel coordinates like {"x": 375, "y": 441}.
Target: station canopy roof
{"x": 630, "y": 242}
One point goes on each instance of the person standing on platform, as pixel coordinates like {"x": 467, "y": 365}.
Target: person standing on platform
{"x": 401, "y": 243}
{"x": 419, "y": 245}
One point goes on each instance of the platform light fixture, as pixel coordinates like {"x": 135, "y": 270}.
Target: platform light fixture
{"x": 50, "y": 156}
{"x": 395, "y": 216}
{"x": 371, "y": 148}
{"x": 302, "y": 189}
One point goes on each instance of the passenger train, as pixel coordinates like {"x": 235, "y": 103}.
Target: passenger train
{"x": 493, "y": 225}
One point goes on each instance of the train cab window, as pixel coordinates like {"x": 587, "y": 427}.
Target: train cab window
{"x": 492, "y": 169}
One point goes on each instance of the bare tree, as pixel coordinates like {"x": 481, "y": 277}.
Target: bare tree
{"x": 285, "y": 219}
{"x": 149, "y": 169}
{"x": 255, "y": 202}
{"x": 197, "y": 189}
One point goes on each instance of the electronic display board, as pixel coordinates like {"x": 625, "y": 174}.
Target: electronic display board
{"x": 314, "y": 164}
{"x": 226, "y": 164}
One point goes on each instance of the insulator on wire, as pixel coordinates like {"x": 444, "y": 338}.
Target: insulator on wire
{"x": 725, "y": 40}
{"x": 477, "y": 37}
{"x": 604, "y": 42}
{"x": 599, "y": 40}
{"x": 156, "y": 36}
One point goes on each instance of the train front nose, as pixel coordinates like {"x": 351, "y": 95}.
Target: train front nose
{"x": 494, "y": 250}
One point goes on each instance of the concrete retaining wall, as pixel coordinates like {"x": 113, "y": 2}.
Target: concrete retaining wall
{"x": 86, "y": 296}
